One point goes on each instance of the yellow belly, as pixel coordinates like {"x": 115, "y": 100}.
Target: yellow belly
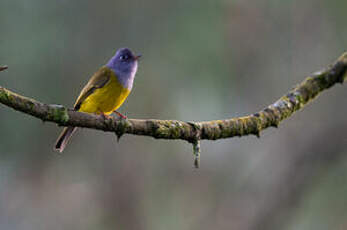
{"x": 106, "y": 99}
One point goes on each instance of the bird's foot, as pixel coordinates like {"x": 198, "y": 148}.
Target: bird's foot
{"x": 120, "y": 115}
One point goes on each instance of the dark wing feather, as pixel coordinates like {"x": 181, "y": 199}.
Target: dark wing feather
{"x": 98, "y": 80}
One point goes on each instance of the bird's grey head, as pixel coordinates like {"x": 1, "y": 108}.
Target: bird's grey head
{"x": 124, "y": 64}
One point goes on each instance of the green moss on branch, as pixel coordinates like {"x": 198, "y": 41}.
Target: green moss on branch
{"x": 192, "y": 132}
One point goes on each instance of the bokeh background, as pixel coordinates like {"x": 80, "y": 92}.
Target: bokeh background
{"x": 202, "y": 60}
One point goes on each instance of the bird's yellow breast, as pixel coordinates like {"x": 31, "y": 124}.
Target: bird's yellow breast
{"x": 106, "y": 99}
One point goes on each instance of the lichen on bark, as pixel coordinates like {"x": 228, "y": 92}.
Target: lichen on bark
{"x": 193, "y": 132}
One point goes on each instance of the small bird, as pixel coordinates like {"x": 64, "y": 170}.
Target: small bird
{"x": 106, "y": 90}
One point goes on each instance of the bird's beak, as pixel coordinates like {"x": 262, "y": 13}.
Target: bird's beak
{"x": 138, "y": 57}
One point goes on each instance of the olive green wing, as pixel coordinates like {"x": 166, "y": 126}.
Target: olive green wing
{"x": 98, "y": 80}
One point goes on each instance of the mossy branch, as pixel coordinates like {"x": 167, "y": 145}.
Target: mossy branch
{"x": 3, "y": 68}
{"x": 192, "y": 132}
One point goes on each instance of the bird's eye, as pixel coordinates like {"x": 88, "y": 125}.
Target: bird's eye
{"x": 123, "y": 57}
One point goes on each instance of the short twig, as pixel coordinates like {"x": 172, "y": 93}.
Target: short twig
{"x": 2, "y": 68}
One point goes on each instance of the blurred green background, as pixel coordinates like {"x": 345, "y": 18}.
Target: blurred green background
{"x": 202, "y": 60}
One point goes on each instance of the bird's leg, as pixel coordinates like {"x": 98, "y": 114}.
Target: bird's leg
{"x": 120, "y": 115}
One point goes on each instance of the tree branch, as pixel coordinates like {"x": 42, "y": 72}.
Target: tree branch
{"x": 3, "y": 68}
{"x": 192, "y": 132}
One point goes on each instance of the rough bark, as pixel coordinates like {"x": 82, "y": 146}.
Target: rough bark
{"x": 192, "y": 132}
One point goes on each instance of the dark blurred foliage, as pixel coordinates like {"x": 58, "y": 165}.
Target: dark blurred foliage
{"x": 201, "y": 60}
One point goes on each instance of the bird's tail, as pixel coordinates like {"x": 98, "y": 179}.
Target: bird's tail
{"x": 64, "y": 138}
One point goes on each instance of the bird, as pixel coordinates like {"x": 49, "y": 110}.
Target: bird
{"x": 105, "y": 91}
